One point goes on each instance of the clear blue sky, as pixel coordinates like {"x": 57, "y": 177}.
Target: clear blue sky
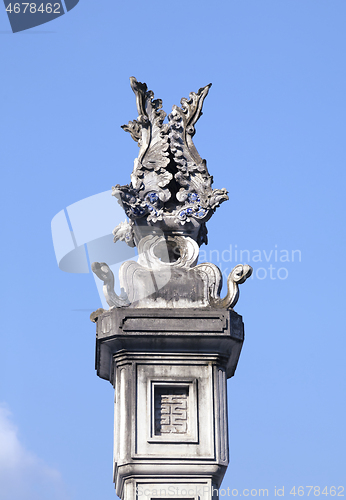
{"x": 273, "y": 133}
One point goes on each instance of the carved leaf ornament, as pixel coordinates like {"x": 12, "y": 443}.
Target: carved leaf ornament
{"x": 170, "y": 181}
{"x": 168, "y": 202}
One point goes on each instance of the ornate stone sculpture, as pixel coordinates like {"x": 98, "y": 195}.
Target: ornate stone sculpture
{"x": 168, "y": 202}
{"x": 168, "y": 343}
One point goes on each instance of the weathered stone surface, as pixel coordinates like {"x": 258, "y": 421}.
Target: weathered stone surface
{"x": 195, "y": 443}
{"x": 169, "y": 370}
{"x": 168, "y": 203}
{"x": 170, "y": 184}
{"x": 169, "y": 342}
{"x": 165, "y": 330}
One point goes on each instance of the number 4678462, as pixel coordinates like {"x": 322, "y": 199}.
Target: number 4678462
{"x": 32, "y": 8}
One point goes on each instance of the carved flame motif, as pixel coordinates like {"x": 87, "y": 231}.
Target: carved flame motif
{"x": 168, "y": 203}
{"x": 170, "y": 184}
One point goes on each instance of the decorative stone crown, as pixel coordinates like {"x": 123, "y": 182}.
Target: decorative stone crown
{"x": 168, "y": 203}
{"x": 170, "y": 185}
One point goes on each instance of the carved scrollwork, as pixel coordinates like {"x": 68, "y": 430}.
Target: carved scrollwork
{"x": 237, "y": 276}
{"x": 157, "y": 252}
{"x": 103, "y": 271}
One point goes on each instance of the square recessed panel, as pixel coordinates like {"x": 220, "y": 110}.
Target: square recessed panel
{"x": 173, "y": 411}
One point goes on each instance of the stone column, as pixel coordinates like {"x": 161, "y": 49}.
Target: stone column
{"x": 169, "y": 369}
{"x": 169, "y": 342}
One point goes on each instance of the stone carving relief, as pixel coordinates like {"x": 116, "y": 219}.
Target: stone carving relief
{"x": 171, "y": 410}
{"x": 168, "y": 202}
{"x": 170, "y": 184}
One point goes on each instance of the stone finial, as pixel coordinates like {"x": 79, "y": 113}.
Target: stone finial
{"x": 170, "y": 184}
{"x": 168, "y": 202}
